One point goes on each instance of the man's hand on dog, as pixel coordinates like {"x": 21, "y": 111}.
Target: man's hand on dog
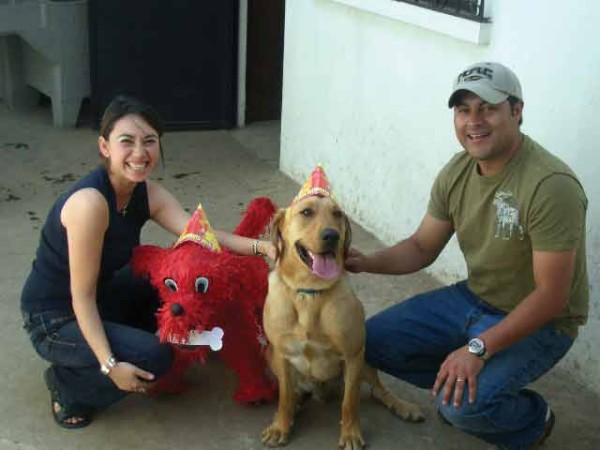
{"x": 355, "y": 261}
{"x": 459, "y": 369}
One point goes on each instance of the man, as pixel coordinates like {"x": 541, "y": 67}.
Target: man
{"x": 519, "y": 216}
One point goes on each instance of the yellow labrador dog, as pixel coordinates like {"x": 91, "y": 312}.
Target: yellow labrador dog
{"x": 315, "y": 323}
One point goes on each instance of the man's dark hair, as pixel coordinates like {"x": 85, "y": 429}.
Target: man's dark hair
{"x": 512, "y": 101}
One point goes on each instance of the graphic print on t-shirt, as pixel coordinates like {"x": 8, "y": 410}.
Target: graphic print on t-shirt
{"x": 507, "y": 216}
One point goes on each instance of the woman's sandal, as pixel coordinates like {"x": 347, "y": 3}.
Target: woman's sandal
{"x": 61, "y": 417}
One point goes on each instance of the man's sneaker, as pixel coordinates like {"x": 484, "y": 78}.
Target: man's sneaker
{"x": 550, "y": 420}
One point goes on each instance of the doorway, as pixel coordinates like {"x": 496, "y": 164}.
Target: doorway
{"x": 264, "y": 60}
{"x": 180, "y": 57}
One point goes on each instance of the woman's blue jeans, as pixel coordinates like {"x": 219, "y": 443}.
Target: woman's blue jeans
{"x": 128, "y": 318}
{"x": 412, "y": 339}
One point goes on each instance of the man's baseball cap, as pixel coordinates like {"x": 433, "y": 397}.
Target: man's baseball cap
{"x": 493, "y": 82}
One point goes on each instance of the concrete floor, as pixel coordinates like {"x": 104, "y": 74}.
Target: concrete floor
{"x": 224, "y": 170}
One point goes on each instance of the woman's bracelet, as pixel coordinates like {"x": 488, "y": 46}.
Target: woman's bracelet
{"x": 255, "y": 250}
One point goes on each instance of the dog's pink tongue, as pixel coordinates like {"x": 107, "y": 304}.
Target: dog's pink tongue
{"x": 325, "y": 267}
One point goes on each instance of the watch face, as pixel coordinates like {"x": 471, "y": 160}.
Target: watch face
{"x": 477, "y": 346}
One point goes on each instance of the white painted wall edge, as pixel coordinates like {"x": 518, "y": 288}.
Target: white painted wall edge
{"x": 242, "y": 47}
{"x": 457, "y": 27}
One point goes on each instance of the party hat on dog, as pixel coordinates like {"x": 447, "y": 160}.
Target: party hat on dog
{"x": 316, "y": 184}
{"x": 198, "y": 230}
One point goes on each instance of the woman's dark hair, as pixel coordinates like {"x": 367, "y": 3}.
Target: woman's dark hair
{"x": 123, "y": 105}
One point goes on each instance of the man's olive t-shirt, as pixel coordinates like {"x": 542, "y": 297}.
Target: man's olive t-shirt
{"x": 536, "y": 203}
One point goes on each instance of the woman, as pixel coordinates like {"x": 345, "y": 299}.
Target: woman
{"x": 84, "y": 312}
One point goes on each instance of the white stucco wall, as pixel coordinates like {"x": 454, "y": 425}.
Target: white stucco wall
{"x": 366, "y": 96}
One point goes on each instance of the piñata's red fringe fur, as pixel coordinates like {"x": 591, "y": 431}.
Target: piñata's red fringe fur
{"x": 237, "y": 287}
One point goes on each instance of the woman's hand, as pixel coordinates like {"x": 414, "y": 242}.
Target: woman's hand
{"x": 268, "y": 249}
{"x": 130, "y": 378}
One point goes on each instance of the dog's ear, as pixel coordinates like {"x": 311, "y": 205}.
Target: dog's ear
{"x": 347, "y": 236}
{"x": 276, "y": 237}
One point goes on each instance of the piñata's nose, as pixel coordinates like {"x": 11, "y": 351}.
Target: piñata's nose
{"x": 176, "y": 309}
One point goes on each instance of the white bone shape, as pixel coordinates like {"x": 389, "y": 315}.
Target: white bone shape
{"x": 212, "y": 338}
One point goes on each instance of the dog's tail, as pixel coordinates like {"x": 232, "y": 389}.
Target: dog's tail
{"x": 257, "y": 218}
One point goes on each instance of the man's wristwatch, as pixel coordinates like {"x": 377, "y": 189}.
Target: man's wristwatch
{"x": 477, "y": 347}
{"x": 108, "y": 365}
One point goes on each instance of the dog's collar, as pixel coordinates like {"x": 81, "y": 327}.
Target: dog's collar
{"x": 309, "y": 291}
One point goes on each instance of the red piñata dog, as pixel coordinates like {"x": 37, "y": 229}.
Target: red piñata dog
{"x": 204, "y": 288}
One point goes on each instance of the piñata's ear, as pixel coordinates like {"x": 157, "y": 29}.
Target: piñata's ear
{"x": 257, "y": 218}
{"x": 144, "y": 259}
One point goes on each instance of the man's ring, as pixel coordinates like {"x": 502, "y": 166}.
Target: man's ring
{"x": 460, "y": 380}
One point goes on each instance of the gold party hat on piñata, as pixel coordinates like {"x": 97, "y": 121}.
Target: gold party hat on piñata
{"x": 199, "y": 230}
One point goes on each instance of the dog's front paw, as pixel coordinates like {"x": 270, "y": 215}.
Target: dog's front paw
{"x": 351, "y": 440}
{"x": 275, "y": 435}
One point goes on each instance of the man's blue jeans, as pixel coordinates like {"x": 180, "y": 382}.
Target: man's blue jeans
{"x": 412, "y": 339}
{"x": 75, "y": 371}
